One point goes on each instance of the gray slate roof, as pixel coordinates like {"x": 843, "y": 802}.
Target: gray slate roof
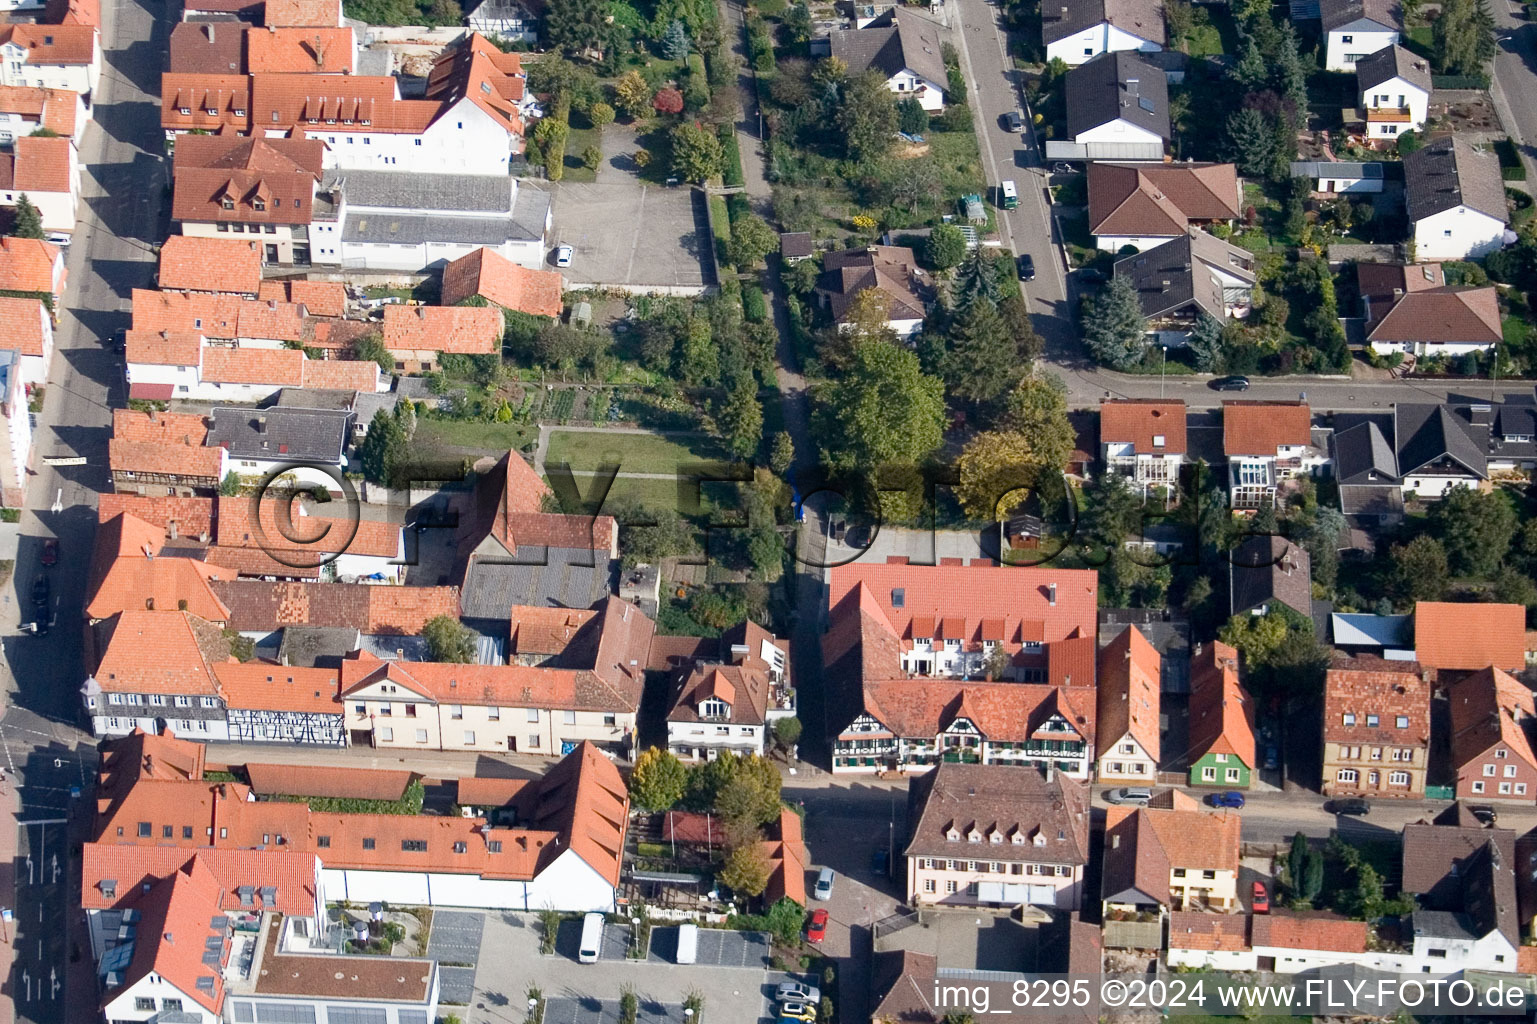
{"x": 1449, "y": 173}
{"x": 399, "y": 190}
{"x": 310, "y": 435}
{"x": 1172, "y": 275}
{"x": 1114, "y": 86}
{"x": 1270, "y": 569}
{"x": 1063, "y": 18}
{"x": 1427, "y": 434}
{"x": 1389, "y": 63}
{"x": 1335, "y": 169}
{"x": 1335, "y": 13}
{"x": 538, "y": 576}
{"x": 907, "y": 41}
{"x": 1363, "y": 455}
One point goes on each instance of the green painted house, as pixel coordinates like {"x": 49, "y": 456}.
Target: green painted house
{"x": 1221, "y": 721}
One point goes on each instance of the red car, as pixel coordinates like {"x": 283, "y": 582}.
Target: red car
{"x": 50, "y": 551}
{"x": 1259, "y": 903}
{"x": 816, "y": 931}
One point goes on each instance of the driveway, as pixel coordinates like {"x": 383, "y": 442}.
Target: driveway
{"x": 633, "y": 236}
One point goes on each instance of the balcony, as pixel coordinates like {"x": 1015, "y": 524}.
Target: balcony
{"x": 1385, "y": 115}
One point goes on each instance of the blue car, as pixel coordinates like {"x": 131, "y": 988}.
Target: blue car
{"x": 1229, "y": 799}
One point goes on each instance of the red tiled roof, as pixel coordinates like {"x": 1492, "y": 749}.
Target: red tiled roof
{"x": 256, "y": 562}
{"x": 213, "y": 316}
{"x": 263, "y": 687}
{"x": 287, "y": 13}
{"x": 1490, "y": 708}
{"x": 1140, "y": 421}
{"x": 470, "y": 330}
{"x": 1259, "y": 428}
{"x": 311, "y": 534}
{"x": 199, "y": 264}
{"x": 1282, "y": 929}
{"x": 162, "y": 651}
{"x": 1194, "y": 929}
{"x": 43, "y": 164}
{"x": 317, "y": 780}
{"x": 54, "y": 109}
{"x": 319, "y": 298}
{"x": 182, "y": 906}
{"x": 489, "y": 274}
{"x": 52, "y": 44}
{"x": 207, "y": 48}
{"x": 1002, "y": 712}
{"x": 1159, "y": 199}
{"x": 163, "y": 348}
{"x": 257, "y": 605}
{"x": 1069, "y": 662}
{"x": 138, "y": 582}
{"x": 310, "y": 50}
{"x": 72, "y": 12}
{"x": 1367, "y": 685}
{"x": 1470, "y": 636}
{"x": 277, "y": 175}
{"x": 476, "y": 70}
{"x": 340, "y": 375}
{"x": 279, "y": 367}
{"x": 190, "y": 517}
{"x": 228, "y": 96}
{"x": 355, "y": 103}
{"x": 24, "y": 324}
{"x": 1129, "y": 693}
{"x": 478, "y": 792}
{"x": 290, "y": 872}
{"x": 28, "y": 264}
{"x": 1449, "y": 315}
{"x": 1221, "y": 712}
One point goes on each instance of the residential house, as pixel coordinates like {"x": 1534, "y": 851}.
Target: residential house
{"x": 904, "y": 48}
{"x": 1341, "y": 176}
{"x": 215, "y": 103}
{"x": 510, "y": 552}
{"x": 1143, "y": 439}
{"x": 1221, "y": 720}
{"x": 787, "y": 859}
{"x": 1411, "y": 310}
{"x": 1076, "y": 31}
{"x": 1456, "y": 200}
{"x": 306, "y": 446}
{"x": 1178, "y": 281}
{"x": 16, "y": 455}
{"x": 1464, "y": 883}
{"x": 1160, "y": 859}
{"x": 592, "y": 696}
{"x": 155, "y": 452}
{"x": 996, "y": 836}
{"x": 795, "y": 246}
{"x": 1491, "y": 737}
{"x": 382, "y": 619}
{"x": 64, "y": 57}
{"x": 301, "y": 13}
{"x": 417, "y": 335}
{"x": 1216, "y": 941}
{"x": 1454, "y": 637}
{"x": 207, "y": 48}
{"x": 1366, "y": 470}
{"x": 285, "y": 703}
{"x": 32, "y": 265}
{"x": 293, "y": 541}
{"x": 558, "y": 844}
{"x": 1376, "y": 729}
{"x": 512, "y": 20}
{"x": 233, "y": 187}
{"x": 498, "y": 280}
{"x": 227, "y": 266}
{"x": 167, "y": 364}
{"x": 904, "y": 988}
{"x": 730, "y": 700}
{"x": 1145, "y": 205}
{"x": 1265, "y": 443}
{"x": 319, "y": 298}
{"x": 1117, "y": 109}
{"x": 47, "y": 171}
{"x": 1438, "y": 450}
{"x": 24, "y": 109}
{"x": 1389, "y": 637}
{"x": 154, "y": 675}
{"x": 128, "y": 571}
{"x": 1354, "y": 29}
{"x": 1126, "y": 741}
{"x": 1267, "y": 572}
{"x": 1394, "y": 90}
{"x": 28, "y": 330}
{"x": 890, "y": 270}
{"x": 301, "y": 49}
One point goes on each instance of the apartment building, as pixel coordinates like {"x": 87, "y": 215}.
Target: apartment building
{"x": 1376, "y": 728}
{"x": 1127, "y": 742}
{"x": 727, "y": 698}
{"x": 1159, "y": 859}
{"x": 1492, "y": 717}
{"x": 1221, "y": 729}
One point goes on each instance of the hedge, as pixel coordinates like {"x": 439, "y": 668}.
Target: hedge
{"x": 1459, "y": 82}
{"x": 1511, "y": 168}
{"x": 754, "y": 304}
{"x": 720, "y": 226}
{"x": 732, "y": 175}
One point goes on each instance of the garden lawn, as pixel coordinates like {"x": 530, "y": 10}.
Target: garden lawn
{"x": 656, "y": 494}
{"x": 1218, "y": 36}
{"x": 444, "y": 438}
{"x": 635, "y": 451}
{"x": 578, "y": 140}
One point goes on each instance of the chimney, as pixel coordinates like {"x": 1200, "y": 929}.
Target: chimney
{"x": 154, "y": 416}
{"x": 1131, "y": 86}
{"x": 261, "y": 424}
{"x": 172, "y": 529}
{"x": 1050, "y": 773}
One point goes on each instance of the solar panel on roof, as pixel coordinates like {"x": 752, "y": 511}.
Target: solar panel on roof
{"x": 1145, "y": 103}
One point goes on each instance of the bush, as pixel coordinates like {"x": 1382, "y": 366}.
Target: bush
{"x": 955, "y": 91}
{"x": 754, "y": 305}
{"x": 732, "y": 175}
{"x": 592, "y": 156}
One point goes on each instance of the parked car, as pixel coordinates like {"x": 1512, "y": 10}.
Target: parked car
{"x": 1091, "y": 275}
{"x": 564, "y": 254}
{"x": 1484, "y": 813}
{"x": 1026, "y": 267}
{"x": 880, "y": 862}
{"x": 798, "y": 991}
{"x": 1272, "y": 758}
{"x": 50, "y": 551}
{"x": 824, "y": 886}
{"x": 1232, "y": 798}
{"x": 798, "y": 1011}
{"x": 1259, "y": 900}
{"x": 1129, "y": 795}
{"x": 42, "y": 590}
{"x": 1349, "y": 805}
{"x": 1237, "y": 382}
{"x": 816, "y": 931}
{"x": 1014, "y": 121}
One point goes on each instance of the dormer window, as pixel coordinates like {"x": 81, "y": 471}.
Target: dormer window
{"x": 1040, "y": 839}
{"x": 227, "y": 203}
{"x": 184, "y": 111}
{"x": 953, "y": 836}
{"x": 996, "y": 837}
{"x": 973, "y": 836}
{"x": 714, "y": 709}
{"x": 239, "y": 112}
{"x": 1019, "y": 839}
{"x": 259, "y": 204}
{"x": 212, "y": 111}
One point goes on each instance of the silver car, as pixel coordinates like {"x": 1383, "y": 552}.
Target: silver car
{"x": 1136, "y": 795}
{"x": 795, "y": 991}
{"x": 1014, "y": 121}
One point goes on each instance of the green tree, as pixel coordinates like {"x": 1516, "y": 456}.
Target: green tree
{"x": 229, "y": 487}
{"x": 746, "y": 870}
{"x": 1512, "y": 586}
{"x": 577, "y": 25}
{"x": 592, "y": 156}
{"x": 705, "y": 781}
{"x": 946, "y": 246}
{"x": 1313, "y": 876}
{"x": 1179, "y": 18}
{"x": 658, "y": 780}
{"x": 370, "y": 347}
{"x": 911, "y": 117}
{"x": 1113, "y": 327}
{"x": 550, "y": 136}
{"x": 982, "y": 363}
{"x": 1016, "y": 316}
{"x": 884, "y": 409}
{"x": 383, "y": 447}
{"x": 996, "y": 470}
{"x": 1251, "y": 70}
{"x": 1111, "y": 512}
{"x": 1297, "y": 862}
{"x": 449, "y": 640}
{"x": 1038, "y": 410}
{"x": 787, "y": 732}
{"x": 751, "y": 240}
{"x": 1207, "y": 342}
{"x": 976, "y": 279}
{"x": 1408, "y": 142}
{"x": 867, "y": 116}
{"x": 675, "y": 43}
{"x": 1251, "y": 141}
{"x": 632, "y": 94}
{"x": 1419, "y": 569}
{"x": 699, "y": 360}
{"x": 1476, "y": 529}
{"x": 696, "y": 152}
{"x": 1462, "y": 38}
{"x": 742, "y": 419}
{"x": 29, "y": 223}
{"x": 601, "y": 115}
{"x": 647, "y": 536}
{"x": 782, "y": 454}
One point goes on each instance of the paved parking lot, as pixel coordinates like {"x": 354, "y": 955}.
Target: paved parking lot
{"x": 717, "y": 948}
{"x": 595, "y": 1011}
{"x": 455, "y": 936}
{"x": 634, "y": 236}
{"x": 457, "y": 985}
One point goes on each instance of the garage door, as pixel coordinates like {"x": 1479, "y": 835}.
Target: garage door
{"x": 1041, "y": 895}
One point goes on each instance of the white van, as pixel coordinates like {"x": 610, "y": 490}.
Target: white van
{"x": 592, "y": 939}
{"x": 688, "y": 943}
